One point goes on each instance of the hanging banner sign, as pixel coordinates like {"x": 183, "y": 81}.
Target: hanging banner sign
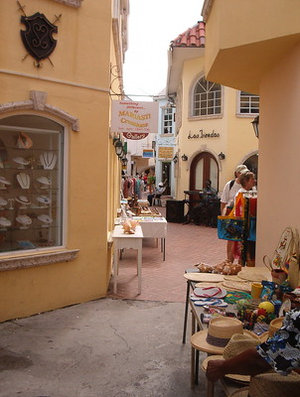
{"x": 134, "y": 135}
{"x": 135, "y": 120}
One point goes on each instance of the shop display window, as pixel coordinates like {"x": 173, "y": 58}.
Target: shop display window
{"x": 31, "y": 183}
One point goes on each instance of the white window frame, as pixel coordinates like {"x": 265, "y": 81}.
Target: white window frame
{"x": 167, "y": 120}
{"x": 203, "y": 98}
{"x": 252, "y": 104}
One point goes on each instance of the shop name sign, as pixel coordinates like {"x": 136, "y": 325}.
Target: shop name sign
{"x": 135, "y": 120}
{"x": 203, "y": 134}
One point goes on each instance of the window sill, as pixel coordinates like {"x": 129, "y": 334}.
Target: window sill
{"x": 247, "y": 115}
{"x": 47, "y": 258}
{"x": 206, "y": 117}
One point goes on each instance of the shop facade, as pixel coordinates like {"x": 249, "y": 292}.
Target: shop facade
{"x": 58, "y": 197}
{"x": 213, "y": 122}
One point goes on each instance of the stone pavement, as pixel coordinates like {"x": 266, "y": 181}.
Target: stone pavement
{"x": 121, "y": 346}
{"x": 104, "y": 348}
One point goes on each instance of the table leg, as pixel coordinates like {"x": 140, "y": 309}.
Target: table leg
{"x": 116, "y": 255}
{"x": 139, "y": 270}
{"x": 186, "y": 310}
{"x": 209, "y": 388}
{"x": 193, "y": 356}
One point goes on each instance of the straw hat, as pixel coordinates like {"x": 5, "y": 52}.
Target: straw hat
{"x": 236, "y": 345}
{"x": 255, "y": 274}
{"x": 204, "y": 277}
{"x": 214, "y": 339}
{"x": 275, "y": 325}
{"x": 274, "y": 385}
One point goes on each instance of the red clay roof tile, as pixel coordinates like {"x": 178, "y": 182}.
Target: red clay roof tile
{"x": 193, "y": 37}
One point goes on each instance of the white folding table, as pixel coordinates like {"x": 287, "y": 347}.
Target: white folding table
{"x": 154, "y": 227}
{"x": 126, "y": 241}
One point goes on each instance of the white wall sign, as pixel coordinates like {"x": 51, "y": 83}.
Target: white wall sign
{"x": 135, "y": 120}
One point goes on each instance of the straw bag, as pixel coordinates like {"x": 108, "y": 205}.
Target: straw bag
{"x": 286, "y": 253}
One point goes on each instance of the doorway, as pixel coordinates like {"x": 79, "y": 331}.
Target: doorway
{"x": 203, "y": 167}
{"x": 165, "y": 173}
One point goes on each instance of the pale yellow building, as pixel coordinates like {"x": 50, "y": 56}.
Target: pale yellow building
{"x": 254, "y": 45}
{"x": 61, "y": 62}
{"x": 213, "y": 122}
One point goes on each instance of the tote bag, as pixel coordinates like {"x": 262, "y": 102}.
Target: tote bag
{"x": 230, "y": 228}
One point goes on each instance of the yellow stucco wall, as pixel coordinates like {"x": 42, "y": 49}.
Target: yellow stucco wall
{"x": 279, "y": 189}
{"x": 249, "y": 46}
{"x": 236, "y": 140}
{"x": 265, "y": 37}
{"x": 78, "y": 83}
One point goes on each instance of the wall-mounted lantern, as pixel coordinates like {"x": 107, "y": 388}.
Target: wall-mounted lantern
{"x": 255, "y": 124}
{"x": 118, "y": 146}
{"x": 184, "y": 157}
{"x": 221, "y": 156}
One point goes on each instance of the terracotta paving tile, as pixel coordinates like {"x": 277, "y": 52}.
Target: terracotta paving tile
{"x": 186, "y": 245}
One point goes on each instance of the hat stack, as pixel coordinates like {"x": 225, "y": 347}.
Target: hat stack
{"x": 220, "y": 330}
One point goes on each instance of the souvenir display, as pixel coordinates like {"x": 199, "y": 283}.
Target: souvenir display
{"x": 4, "y": 181}
{"x": 24, "y": 180}
{"x": 4, "y": 222}
{"x": 21, "y": 161}
{"x": 22, "y": 200}
{"x": 30, "y": 190}
{"x": 44, "y": 181}
{"x": 43, "y": 200}
{"x": 3, "y": 202}
{"x": 24, "y": 141}
{"x": 25, "y": 220}
{"x": 48, "y": 160}
{"x": 45, "y": 219}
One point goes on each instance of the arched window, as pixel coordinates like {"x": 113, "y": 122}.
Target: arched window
{"x": 206, "y": 98}
{"x": 31, "y": 183}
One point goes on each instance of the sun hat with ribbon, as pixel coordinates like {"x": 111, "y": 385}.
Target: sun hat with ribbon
{"x": 220, "y": 330}
{"x": 237, "y": 344}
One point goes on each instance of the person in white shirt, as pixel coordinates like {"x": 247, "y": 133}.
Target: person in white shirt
{"x": 227, "y": 201}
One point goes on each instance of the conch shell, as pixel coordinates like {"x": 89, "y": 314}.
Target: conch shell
{"x": 129, "y": 226}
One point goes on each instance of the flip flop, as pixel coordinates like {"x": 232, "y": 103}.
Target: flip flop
{"x": 210, "y": 292}
{"x": 209, "y": 302}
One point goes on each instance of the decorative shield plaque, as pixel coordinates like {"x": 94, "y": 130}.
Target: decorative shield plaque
{"x": 37, "y": 38}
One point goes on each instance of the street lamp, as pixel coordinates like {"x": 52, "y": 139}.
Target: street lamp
{"x": 118, "y": 147}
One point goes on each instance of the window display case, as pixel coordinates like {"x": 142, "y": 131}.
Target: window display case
{"x": 31, "y": 187}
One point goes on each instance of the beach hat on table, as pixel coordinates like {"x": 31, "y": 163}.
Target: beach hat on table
{"x": 220, "y": 330}
{"x": 272, "y": 384}
{"x": 204, "y": 277}
{"x": 237, "y": 344}
{"x": 255, "y": 274}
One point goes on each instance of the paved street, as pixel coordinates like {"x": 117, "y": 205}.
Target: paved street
{"x": 122, "y": 346}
